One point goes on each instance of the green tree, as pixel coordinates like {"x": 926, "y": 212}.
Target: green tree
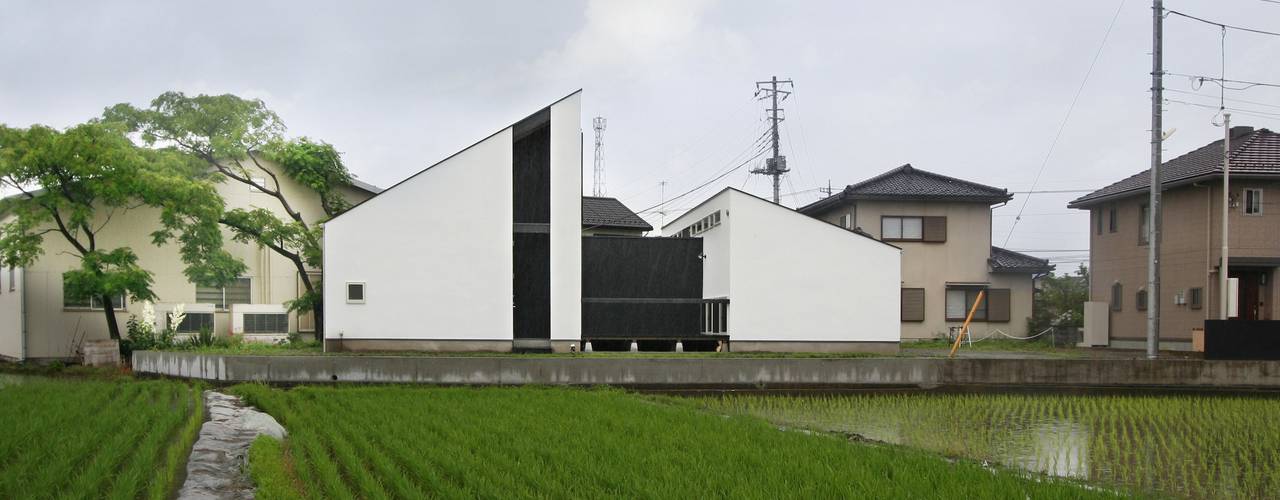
{"x": 1060, "y": 301}
{"x": 73, "y": 183}
{"x": 232, "y": 136}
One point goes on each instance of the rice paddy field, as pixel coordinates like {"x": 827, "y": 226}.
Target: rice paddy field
{"x": 71, "y": 438}
{"x": 413, "y": 442}
{"x": 1166, "y": 445}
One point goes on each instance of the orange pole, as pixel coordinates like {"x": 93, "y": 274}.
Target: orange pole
{"x": 964, "y": 329}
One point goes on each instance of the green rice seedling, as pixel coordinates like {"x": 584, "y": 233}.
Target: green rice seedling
{"x": 409, "y": 442}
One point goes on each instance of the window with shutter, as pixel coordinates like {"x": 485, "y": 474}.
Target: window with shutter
{"x": 999, "y": 304}
{"x": 913, "y": 304}
{"x": 935, "y": 229}
{"x": 961, "y": 300}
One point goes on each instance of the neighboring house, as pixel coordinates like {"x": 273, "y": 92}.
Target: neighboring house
{"x": 943, "y": 226}
{"x": 38, "y": 322}
{"x": 603, "y": 216}
{"x": 791, "y": 282}
{"x": 1192, "y": 240}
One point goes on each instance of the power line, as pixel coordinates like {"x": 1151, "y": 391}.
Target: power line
{"x": 1260, "y": 114}
{"x": 705, "y": 184}
{"x": 1222, "y": 25}
{"x": 1224, "y": 81}
{"x": 1067, "y": 118}
{"x": 1245, "y": 101}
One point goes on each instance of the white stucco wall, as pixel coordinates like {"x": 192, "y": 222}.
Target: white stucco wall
{"x": 790, "y": 277}
{"x": 11, "y": 313}
{"x": 435, "y": 253}
{"x": 566, "y": 219}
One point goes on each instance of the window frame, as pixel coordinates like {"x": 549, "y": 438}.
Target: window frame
{"x": 1113, "y": 220}
{"x": 970, "y": 296}
{"x": 95, "y": 303}
{"x": 901, "y": 227}
{"x": 1144, "y": 224}
{"x": 1117, "y": 297}
{"x": 259, "y": 180}
{"x": 1195, "y": 298}
{"x": 1246, "y": 207}
{"x": 1140, "y": 299}
{"x": 190, "y": 316}
{"x": 364, "y": 292}
{"x": 1098, "y": 220}
{"x": 224, "y": 306}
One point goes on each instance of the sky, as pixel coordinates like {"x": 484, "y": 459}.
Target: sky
{"x": 977, "y": 90}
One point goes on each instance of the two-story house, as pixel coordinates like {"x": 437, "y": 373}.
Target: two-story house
{"x": 943, "y": 226}
{"x": 39, "y": 321}
{"x": 1191, "y": 256}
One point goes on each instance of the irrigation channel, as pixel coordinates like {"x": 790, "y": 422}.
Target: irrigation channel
{"x": 1196, "y": 444}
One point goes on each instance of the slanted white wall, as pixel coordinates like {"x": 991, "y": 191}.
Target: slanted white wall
{"x": 434, "y": 253}
{"x": 566, "y": 219}
{"x": 11, "y": 313}
{"x": 794, "y": 278}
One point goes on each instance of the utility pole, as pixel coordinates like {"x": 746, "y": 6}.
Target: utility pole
{"x": 662, "y": 210}
{"x": 827, "y": 190}
{"x": 776, "y": 165}
{"x": 1153, "y": 212}
{"x": 1226, "y": 211}
{"x": 597, "y": 188}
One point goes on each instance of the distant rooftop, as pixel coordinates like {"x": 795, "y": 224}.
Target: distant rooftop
{"x": 1009, "y": 261}
{"x": 910, "y": 183}
{"x": 604, "y": 212}
{"x": 1254, "y": 153}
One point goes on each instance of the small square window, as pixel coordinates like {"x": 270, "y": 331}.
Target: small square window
{"x": 261, "y": 181}
{"x": 1196, "y": 301}
{"x": 355, "y": 293}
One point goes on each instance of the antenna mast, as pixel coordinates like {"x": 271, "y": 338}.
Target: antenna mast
{"x": 597, "y": 189}
{"x": 777, "y": 164}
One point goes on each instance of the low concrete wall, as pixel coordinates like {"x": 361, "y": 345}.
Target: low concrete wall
{"x": 717, "y": 373}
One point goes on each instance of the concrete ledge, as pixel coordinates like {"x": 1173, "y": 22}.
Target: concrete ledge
{"x": 712, "y": 373}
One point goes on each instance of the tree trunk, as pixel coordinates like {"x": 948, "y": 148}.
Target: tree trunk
{"x": 317, "y": 312}
{"x": 113, "y": 328}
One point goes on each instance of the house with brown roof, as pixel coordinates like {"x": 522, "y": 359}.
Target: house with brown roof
{"x": 943, "y": 226}
{"x": 1191, "y": 244}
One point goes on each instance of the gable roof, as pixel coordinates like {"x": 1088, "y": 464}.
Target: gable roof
{"x": 910, "y": 183}
{"x": 1009, "y": 261}
{"x": 605, "y": 212}
{"x": 538, "y": 116}
{"x": 731, "y": 189}
{"x": 1254, "y": 153}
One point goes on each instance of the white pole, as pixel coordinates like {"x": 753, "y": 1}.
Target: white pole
{"x": 1226, "y": 212}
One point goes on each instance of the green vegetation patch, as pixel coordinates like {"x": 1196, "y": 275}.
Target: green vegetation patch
{"x": 408, "y": 442}
{"x": 1196, "y": 446}
{"x": 95, "y": 438}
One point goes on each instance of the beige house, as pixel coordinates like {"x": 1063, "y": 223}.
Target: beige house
{"x": 1192, "y": 240}
{"x": 943, "y": 226}
{"x": 38, "y": 322}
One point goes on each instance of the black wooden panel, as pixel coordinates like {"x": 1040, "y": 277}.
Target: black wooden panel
{"x": 655, "y": 284}
{"x": 622, "y": 267}
{"x": 1240, "y": 339}
{"x": 531, "y": 176}
{"x": 531, "y": 286}
{"x": 640, "y": 320}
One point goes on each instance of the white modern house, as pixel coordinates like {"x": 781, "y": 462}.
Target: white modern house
{"x": 791, "y": 282}
{"x": 423, "y": 266}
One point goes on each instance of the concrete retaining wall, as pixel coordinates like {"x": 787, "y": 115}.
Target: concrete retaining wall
{"x": 716, "y": 373}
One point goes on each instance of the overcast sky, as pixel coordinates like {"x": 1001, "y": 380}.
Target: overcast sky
{"x": 975, "y": 89}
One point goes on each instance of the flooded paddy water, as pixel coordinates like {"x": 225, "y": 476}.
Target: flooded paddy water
{"x": 1197, "y": 445}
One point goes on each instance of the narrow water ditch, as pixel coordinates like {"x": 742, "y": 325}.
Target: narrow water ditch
{"x": 218, "y": 465}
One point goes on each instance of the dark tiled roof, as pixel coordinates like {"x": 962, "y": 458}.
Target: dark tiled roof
{"x": 910, "y": 183}
{"x": 610, "y": 213}
{"x": 1253, "y": 152}
{"x": 1009, "y": 261}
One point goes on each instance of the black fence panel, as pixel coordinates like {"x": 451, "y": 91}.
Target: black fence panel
{"x": 1240, "y": 339}
{"x": 641, "y": 287}
{"x": 531, "y": 285}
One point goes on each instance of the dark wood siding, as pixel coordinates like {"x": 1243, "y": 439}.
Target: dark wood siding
{"x": 531, "y": 286}
{"x": 531, "y": 243}
{"x": 531, "y": 177}
{"x": 641, "y": 287}
{"x": 913, "y": 304}
{"x": 998, "y": 305}
{"x": 935, "y": 229}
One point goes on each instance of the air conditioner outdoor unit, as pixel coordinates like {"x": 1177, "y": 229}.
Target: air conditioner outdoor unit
{"x": 260, "y": 322}
{"x": 198, "y": 316}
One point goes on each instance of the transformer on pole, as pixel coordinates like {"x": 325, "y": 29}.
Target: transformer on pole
{"x": 776, "y": 165}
